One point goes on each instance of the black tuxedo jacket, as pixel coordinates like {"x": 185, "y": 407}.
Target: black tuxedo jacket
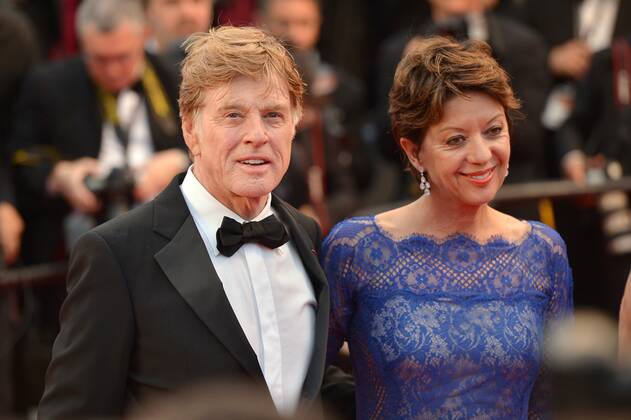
{"x": 146, "y": 312}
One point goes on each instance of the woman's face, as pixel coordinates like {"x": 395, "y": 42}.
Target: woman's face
{"x": 465, "y": 154}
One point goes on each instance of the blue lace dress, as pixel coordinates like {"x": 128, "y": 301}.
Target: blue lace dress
{"x": 444, "y": 329}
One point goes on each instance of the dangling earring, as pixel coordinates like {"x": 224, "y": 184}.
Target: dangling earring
{"x": 506, "y": 174}
{"x": 424, "y": 184}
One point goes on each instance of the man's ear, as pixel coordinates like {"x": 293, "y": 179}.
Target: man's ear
{"x": 189, "y": 130}
{"x": 411, "y": 150}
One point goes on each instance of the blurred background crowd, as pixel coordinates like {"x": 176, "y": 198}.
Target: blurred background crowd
{"x": 89, "y": 127}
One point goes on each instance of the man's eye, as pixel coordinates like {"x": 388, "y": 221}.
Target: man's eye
{"x": 274, "y": 114}
{"x": 233, "y": 115}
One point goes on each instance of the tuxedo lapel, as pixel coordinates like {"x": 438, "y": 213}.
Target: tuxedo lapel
{"x": 188, "y": 267}
{"x": 308, "y": 254}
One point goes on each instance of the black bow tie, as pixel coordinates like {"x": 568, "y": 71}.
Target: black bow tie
{"x": 269, "y": 232}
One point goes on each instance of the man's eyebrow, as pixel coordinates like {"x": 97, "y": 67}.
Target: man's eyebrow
{"x": 232, "y": 105}
{"x": 241, "y": 105}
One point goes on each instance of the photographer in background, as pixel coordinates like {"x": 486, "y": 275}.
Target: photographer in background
{"x": 113, "y": 107}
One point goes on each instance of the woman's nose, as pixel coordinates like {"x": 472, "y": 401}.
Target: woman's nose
{"x": 480, "y": 150}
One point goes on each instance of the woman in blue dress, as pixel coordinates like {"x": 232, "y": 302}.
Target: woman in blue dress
{"x": 444, "y": 301}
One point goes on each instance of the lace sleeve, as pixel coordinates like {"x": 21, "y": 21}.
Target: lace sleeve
{"x": 336, "y": 258}
{"x": 560, "y": 306}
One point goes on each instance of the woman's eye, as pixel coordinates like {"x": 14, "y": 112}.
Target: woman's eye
{"x": 233, "y": 115}
{"x": 455, "y": 140}
{"x": 495, "y": 131}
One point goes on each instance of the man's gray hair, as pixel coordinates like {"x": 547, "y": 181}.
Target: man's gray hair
{"x": 107, "y": 15}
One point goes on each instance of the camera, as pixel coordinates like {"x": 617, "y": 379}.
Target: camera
{"x": 114, "y": 191}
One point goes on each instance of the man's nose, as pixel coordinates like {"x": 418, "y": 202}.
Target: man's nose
{"x": 255, "y": 130}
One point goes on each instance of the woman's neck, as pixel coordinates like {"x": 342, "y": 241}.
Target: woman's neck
{"x": 429, "y": 216}
{"x": 443, "y": 219}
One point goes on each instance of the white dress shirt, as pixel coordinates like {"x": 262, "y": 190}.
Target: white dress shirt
{"x": 269, "y": 292}
{"x": 597, "y": 21}
{"x": 132, "y": 114}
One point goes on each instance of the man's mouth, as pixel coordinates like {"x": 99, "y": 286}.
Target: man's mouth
{"x": 254, "y": 162}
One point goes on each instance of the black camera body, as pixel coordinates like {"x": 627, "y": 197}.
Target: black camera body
{"x": 115, "y": 191}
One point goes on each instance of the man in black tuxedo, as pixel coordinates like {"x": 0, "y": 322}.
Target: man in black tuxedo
{"x": 216, "y": 278}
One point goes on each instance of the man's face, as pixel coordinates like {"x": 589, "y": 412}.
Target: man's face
{"x": 241, "y": 138}
{"x": 114, "y": 59}
{"x": 173, "y": 20}
{"x": 296, "y": 21}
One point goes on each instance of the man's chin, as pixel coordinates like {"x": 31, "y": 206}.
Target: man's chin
{"x": 253, "y": 193}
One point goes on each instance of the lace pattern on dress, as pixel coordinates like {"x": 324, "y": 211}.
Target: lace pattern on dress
{"x": 448, "y": 328}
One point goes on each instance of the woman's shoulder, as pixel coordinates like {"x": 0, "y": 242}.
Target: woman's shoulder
{"x": 351, "y": 229}
{"x": 548, "y": 236}
{"x": 343, "y": 242}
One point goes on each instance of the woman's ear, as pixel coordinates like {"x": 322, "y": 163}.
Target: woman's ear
{"x": 411, "y": 150}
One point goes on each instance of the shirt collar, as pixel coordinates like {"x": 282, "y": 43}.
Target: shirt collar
{"x": 209, "y": 211}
